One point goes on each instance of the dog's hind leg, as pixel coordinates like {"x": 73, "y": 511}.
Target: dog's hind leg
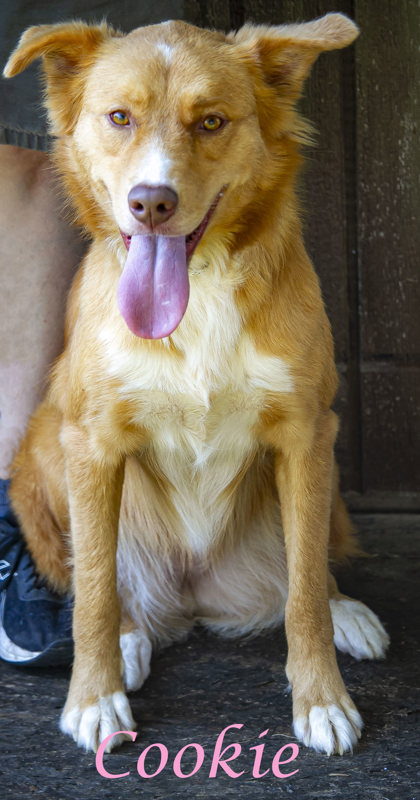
{"x": 136, "y": 652}
{"x": 357, "y": 630}
{"x": 342, "y": 542}
{"x": 39, "y": 498}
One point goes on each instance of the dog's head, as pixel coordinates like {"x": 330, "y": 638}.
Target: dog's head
{"x": 173, "y": 135}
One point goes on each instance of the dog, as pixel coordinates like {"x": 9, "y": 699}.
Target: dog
{"x": 181, "y": 466}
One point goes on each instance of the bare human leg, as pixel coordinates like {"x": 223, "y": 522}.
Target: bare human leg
{"x": 39, "y": 252}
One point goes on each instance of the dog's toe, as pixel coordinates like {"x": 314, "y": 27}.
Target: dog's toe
{"x": 136, "y": 651}
{"x": 90, "y": 726}
{"x": 330, "y": 729}
{"x": 357, "y": 630}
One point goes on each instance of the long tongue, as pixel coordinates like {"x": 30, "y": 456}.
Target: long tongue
{"x": 153, "y": 289}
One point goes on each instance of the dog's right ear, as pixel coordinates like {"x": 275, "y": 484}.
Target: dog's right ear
{"x": 67, "y": 50}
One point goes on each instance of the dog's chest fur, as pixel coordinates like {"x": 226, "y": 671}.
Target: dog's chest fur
{"x": 200, "y": 406}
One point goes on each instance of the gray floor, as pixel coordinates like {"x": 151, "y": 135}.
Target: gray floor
{"x": 198, "y": 688}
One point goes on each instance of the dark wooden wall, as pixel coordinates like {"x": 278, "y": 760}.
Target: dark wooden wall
{"x": 362, "y": 198}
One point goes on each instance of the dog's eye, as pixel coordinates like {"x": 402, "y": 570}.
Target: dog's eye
{"x": 119, "y": 118}
{"x": 212, "y": 123}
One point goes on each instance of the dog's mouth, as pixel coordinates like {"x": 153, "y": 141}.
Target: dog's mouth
{"x": 192, "y": 239}
{"x": 153, "y": 289}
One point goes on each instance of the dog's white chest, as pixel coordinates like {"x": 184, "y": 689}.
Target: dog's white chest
{"x": 200, "y": 451}
{"x": 200, "y": 411}
{"x": 200, "y": 441}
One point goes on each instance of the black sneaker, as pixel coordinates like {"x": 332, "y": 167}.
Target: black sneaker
{"x": 11, "y": 542}
{"x": 35, "y": 623}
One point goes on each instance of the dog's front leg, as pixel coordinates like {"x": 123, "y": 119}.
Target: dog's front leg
{"x": 96, "y": 705}
{"x": 324, "y": 716}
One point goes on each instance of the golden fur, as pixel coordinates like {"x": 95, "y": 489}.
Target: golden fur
{"x": 150, "y": 477}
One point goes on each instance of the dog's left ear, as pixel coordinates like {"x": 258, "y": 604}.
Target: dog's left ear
{"x": 286, "y": 53}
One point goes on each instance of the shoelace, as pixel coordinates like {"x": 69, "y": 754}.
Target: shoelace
{"x": 31, "y": 580}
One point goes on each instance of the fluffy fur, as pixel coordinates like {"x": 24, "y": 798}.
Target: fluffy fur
{"x": 191, "y": 478}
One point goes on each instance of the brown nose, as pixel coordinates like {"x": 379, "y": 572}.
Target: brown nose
{"x": 152, "y": 205}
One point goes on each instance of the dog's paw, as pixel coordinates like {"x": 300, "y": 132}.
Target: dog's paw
{"x": 330, "y": 729}
{"x": 136, "y": 651}
{"x": 357, "y": 630}
{"x": 91, "y": 725}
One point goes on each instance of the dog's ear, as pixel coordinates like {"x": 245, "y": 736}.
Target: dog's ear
{"x": 285, "y": 54}
{"x": 67, "y": 50}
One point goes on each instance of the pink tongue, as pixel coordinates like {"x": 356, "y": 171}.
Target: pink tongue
{"x": 153, "y": 289}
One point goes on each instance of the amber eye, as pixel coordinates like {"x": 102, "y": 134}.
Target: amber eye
{"x": 119, "y": 118}
{"x": 212, "y": 123}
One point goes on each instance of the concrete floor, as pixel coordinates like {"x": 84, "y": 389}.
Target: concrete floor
{"x": 199, "y": 688}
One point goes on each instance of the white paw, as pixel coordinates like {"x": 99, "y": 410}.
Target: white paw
{"x": 329, "y": 729}
{"x": 357, "y": 630}
{"x": 136, "y": 651}
{"x": 91, "y": 726}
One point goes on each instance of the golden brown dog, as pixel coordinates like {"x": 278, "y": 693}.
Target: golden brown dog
{"x": 182, "y": 459}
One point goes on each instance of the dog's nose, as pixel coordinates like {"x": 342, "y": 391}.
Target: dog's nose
{"x": 152, "y": 205}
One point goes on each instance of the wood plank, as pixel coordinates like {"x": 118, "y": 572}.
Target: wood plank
{"x": 389, "y": 502}
{"x": 208, "y": 13}
{"x": 389, "y": 158}
{"x": 389, "y": 241}
{"x": 391, "y": 427}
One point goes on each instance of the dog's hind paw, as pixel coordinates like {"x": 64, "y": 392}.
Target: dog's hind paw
{"x": 90, "y": 726}
{"x": 136, "y": 651}
{"x": 329, "y": 729}
{"x": 357, "y": 630}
